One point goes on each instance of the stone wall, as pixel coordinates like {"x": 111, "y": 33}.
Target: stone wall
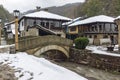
{"x": 7, "y": 73}
{"x": 105, "y": 62}
{"x": 41, "y": 41}
{"x": 99, "y": 40}
{"x": 32, "y": 32}
{"x": 7, "y": 49}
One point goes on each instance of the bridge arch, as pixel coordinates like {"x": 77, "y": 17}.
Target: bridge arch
{"x": 51, "y": 47}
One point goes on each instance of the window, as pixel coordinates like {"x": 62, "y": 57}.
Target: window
{"x": 100, "y": 27}
{"x": 52, "y": 25}
{"x": 116, "y": 28}
{"x": 57, "y": 24}
{"x": 92, "y": 28}
{"x": 42, "y": 24}
{"x": 95, "y": 36}
{"x": 90, "y": 36}
{"x": 88, "y": 29}
{"x": 95, "y": 28}
{"x": 73, "y": 29}
{"x": 30, "y": 22}
{"x": 22, "y": 23}
{"x": 105, "y": 36}
{"x": 8, "y": 27}
{"x": 34, "y": 23}
{"x": 47, "y": 24}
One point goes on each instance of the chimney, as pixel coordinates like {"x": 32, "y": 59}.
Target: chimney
{"x": 38, "y": 8}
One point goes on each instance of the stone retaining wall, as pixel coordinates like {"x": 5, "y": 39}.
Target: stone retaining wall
{"x": 7, "y": 73}
{"x": 7, "y": 49}
{"x": 105, "y": 62}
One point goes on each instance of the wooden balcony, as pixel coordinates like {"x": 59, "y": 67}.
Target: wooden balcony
{"x": 101, "y": 32}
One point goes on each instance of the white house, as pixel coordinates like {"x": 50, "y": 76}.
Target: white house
{"x": 10, "y": 30}
{"x": 101, "y": 29}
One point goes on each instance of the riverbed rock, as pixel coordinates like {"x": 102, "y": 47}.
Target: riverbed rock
{"x": 7, "y": 73}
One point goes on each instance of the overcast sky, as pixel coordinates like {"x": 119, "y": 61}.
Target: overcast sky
{"x": 24, "y": 5}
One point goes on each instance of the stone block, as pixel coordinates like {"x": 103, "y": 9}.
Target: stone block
{"x": 12, "y": 50}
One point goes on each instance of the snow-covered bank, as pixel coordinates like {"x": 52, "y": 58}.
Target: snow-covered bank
{"x": 6, "y": 48}
{"x": 28, "y": 66}
{"x": 101, "y": 50}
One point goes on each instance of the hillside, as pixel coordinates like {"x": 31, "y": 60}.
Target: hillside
{"x": 4, "y": 14}
{"x": 68, "y": 10}
{"x": 88, "y": 8}
{"x": 97, "y": 7}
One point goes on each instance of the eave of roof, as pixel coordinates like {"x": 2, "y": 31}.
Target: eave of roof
{"x": 100, "y": 18}
{"x": 46, "y": 15}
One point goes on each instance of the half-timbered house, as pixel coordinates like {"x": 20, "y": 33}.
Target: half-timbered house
{"x": 42, "y": 23}
{"x": 9, "y": 30}
{"x": 99, "y": 29}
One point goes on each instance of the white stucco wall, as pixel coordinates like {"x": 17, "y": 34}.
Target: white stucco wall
{"x": 22, "y": 26}
{"x": 90, "y": 40}
{"x": 105, "y": 41}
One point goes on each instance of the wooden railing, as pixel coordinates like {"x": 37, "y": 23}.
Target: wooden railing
{"x": 31, "y": 43}
{"x": 114, "y": 32}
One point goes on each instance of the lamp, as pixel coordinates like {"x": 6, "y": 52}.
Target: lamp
{"x": 0, "y": 29}
{"x": 16, "y": 15}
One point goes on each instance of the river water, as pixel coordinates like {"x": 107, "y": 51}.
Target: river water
{"x": 89, "y": 72}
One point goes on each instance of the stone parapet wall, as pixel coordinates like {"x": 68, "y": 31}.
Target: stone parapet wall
{"x": 7, "y": 49}
{"x": 105, "y": 62}
{"x": 41, "y": 41}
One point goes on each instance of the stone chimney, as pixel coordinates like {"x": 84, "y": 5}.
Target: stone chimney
{"x": 38, "y": 8}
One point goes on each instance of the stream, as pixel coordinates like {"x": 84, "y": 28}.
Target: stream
{"x": 89, "y": 72}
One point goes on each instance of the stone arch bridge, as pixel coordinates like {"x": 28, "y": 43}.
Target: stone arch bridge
{"x": 40, "y": 44}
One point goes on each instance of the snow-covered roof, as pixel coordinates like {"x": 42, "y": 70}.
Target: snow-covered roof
{"x": 46, "y": 15}
{"x": 8, "y": 23}
{"x": 100, "y": 18}
{"x": 117, "y": 18}
{"x": 12, "y": 25}
{"x": 72, "y": 21}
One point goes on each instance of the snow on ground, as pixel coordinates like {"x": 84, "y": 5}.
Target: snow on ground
{"x": 6, "y": 46}
{"x": 29, "y": 67}
{"x": 102, "y": 50}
